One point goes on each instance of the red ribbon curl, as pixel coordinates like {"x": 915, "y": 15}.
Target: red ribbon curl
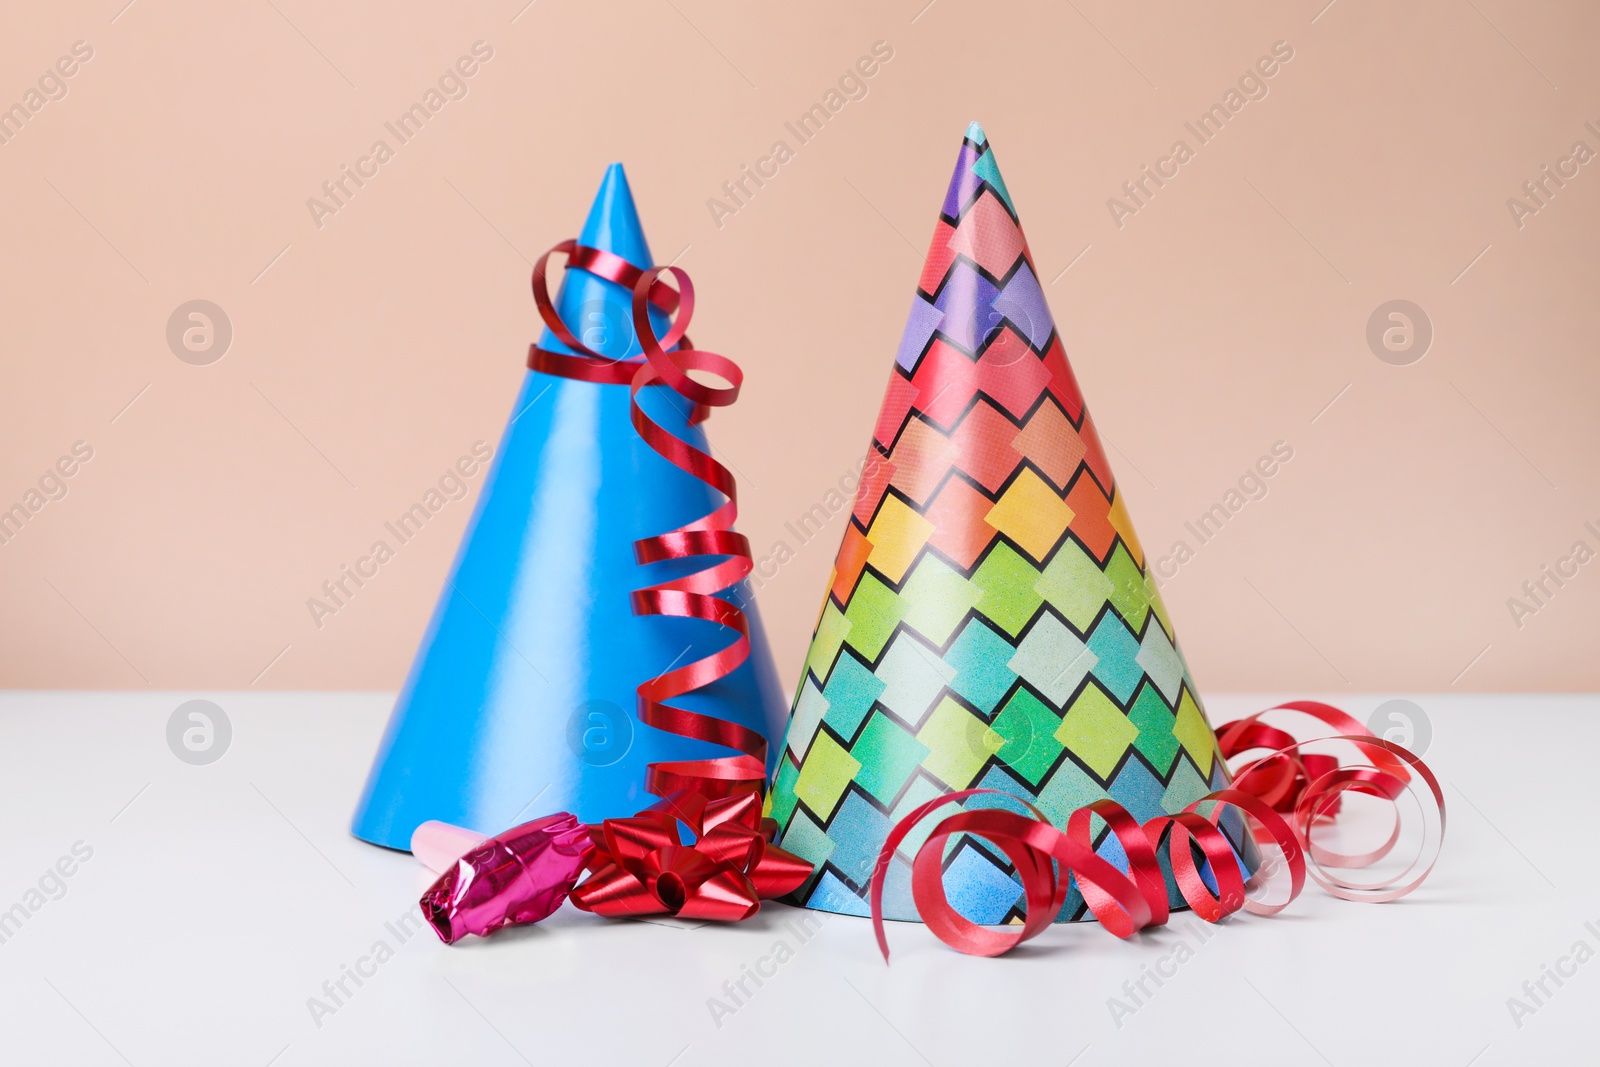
{"x": 1305, "y": 787}
{"x": 642, "y": 867}
{"x": 692, "y": 595}
{"x": 589, "y": 365}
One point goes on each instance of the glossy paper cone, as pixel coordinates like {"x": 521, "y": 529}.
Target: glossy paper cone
{"x": 990, "y": 620}
{"x": 521, "y": 698}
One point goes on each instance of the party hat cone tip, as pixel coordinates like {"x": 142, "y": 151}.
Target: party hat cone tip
{"x": 613, "y": 223}
{"x": 975, "y": 133}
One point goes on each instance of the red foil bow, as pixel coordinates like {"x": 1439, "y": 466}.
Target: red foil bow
{"x": 642, "y": 867}
{"x": 1305, "y": 787}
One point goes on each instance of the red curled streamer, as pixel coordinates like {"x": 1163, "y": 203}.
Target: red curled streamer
{"x": 640, "y": 865}
{"x": 589, "y": 365}
{"x": 692, "y": 595}
{"x": 1281, "y": 795}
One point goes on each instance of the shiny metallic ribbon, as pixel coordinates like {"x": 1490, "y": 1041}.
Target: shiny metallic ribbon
{"x": 641, "y": 866}
{"x": 693, "y": 595}
{"x": 589, "y": 365}
{"x": 1304, "y": 786}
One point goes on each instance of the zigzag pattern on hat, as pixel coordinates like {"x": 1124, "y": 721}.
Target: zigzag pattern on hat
{"x": 988, "y": 621}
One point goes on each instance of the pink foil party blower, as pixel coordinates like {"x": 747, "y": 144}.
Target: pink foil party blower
{"x": 521, "y": 876}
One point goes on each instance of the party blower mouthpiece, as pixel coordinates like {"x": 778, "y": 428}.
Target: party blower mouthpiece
{"x": 521, "y": 876}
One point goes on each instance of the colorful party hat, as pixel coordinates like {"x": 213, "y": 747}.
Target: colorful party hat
{"x": 989, "y": 621}
{"x": 521, "y": 699}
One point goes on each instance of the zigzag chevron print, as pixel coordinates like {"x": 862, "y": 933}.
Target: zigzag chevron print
{"x": 988, "y": 621}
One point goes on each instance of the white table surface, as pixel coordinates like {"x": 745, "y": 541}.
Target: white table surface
{"x": 218, "y": 899}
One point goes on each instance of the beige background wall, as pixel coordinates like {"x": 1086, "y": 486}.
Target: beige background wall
{"x": 1227, "y": 314}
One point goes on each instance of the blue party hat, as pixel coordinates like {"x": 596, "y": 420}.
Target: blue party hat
{"x": 521, "y": 699}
